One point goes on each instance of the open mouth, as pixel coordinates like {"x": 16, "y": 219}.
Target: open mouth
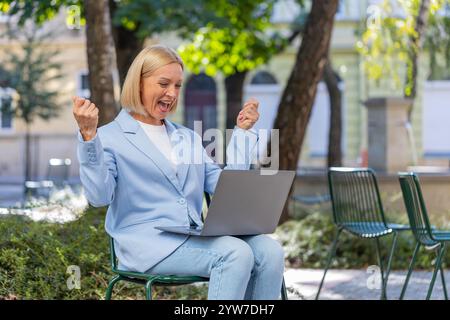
{"x": 164, "y": 106}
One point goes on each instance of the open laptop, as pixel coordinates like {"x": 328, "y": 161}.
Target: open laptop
{"x": 245, "y": 202}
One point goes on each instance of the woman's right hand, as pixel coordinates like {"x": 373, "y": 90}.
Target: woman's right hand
{"x": 86, "y": 115}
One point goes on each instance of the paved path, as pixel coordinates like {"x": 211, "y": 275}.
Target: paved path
{"x": 10, "y": 195}
{"x": 353, "y": 284}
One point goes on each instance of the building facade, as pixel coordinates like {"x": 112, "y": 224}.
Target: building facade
{"x": 203, "y": 98}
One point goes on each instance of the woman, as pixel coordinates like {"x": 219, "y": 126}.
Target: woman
{"x": 129, "y": 164}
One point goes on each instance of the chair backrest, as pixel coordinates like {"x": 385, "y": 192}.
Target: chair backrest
{"x": 415, "y": 207}
{"x": 355, "y": 197}
{"x": 113, "y": 257}
{"x": 58, "y": 171}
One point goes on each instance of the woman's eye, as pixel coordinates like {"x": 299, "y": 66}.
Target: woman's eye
{"x": 163, "y": 84}
{"x": 178, "y": 85}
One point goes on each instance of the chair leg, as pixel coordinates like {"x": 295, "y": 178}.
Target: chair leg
{"x": 444, "y": 286}
{"x": 411, "y": 266}
{"x": 284, "y": 295}
{"x": 111, "y": 286}
{"x": 437, "y": 266}
{"x": 391, "y": 255}
{"x": 330, "y": 257}
{"x": 148, "y": 290}
{"x": 380, "y": 263}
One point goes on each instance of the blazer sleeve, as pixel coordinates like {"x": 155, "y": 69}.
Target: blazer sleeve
{"x": 241, "y": 151}
{"x": 98, "y": 171}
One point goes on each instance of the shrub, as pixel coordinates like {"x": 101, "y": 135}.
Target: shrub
{"x": 308, "y": 241}
{"x": 34, "y": 257}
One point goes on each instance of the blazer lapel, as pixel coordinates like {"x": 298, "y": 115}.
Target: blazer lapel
{"x": 136, "y": 135}
{"x": 182, "y": 166}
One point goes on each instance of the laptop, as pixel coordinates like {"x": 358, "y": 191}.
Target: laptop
{"x": 245, "y": 202}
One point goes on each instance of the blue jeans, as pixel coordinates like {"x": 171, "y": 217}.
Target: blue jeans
{"x": 245, "y": 267}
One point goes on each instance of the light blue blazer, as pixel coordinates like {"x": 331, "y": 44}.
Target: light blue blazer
{"x": 122, "y": 168}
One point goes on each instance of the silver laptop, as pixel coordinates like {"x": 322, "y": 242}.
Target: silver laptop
{"x": 245, "y": 202}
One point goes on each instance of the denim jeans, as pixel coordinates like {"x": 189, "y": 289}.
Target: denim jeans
{"x": 245, "y": 267}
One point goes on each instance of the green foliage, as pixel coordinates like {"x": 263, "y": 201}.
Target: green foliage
{"x": 307, "y": 243}
{"x": 143, "y": 17}
{"x": 38, "y": 11}
{"x": 227, "y": 51}
{"x": 34, "y": 257}
{"x": 386, "y": 41}
{"x": 241, "y": 46}
{"x": 227, "y": 35}
{"x": 29, "y": 73}
{"x": 438, "y": 43}
{"x": 184, "y": 17}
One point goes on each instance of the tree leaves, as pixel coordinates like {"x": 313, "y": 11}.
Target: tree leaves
{"x": 240, "y": 45}
{"x": 385, "y": 42}
{"x": 29, "y": 74}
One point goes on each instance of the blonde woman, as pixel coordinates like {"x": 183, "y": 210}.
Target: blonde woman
{"x": 129, "y": 164}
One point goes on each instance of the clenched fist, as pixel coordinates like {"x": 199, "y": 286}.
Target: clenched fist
{"x": 248, "y": 116}
{"x": 86, "y": 115}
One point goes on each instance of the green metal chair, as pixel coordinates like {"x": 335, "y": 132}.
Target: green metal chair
{"x": 357, "y": 209}
{"x": 148, "y": 280}
{"x": 426, "y": 235}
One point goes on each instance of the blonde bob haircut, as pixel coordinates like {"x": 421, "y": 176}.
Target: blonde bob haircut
{"x": 144, "y": 65}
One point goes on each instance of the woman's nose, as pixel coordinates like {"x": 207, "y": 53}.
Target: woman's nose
{"x": 171, "y": 92}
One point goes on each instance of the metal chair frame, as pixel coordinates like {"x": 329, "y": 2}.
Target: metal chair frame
{"x": 357, "y": 209}
{"x": 426, "y": 235}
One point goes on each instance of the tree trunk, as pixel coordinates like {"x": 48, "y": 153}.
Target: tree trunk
{"x": 126, "y": 43}
{"x": 27, "y": 153}
{"x": 417, "y": 42}
{"x": 27, "y": 171}
{"x": 335, "y": 133}
{"x": 298, "y": 97}
{"x": 100, "y": 51}
{"x": 234, "y": 88}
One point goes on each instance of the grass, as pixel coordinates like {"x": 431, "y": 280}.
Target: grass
{"x": 35, "y": 256}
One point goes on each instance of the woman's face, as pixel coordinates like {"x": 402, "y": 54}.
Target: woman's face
{"x": 159, "y": 92}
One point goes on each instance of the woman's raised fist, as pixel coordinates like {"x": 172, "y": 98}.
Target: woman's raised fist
{"x": 86, "y": 115}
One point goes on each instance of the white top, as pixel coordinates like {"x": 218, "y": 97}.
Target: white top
{"x": 159, "y": 137}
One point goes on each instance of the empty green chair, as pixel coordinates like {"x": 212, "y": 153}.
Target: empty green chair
{"x": 426, "y": 235}
{"x": 148, "y": 280}
{"x": 357, "y": 209}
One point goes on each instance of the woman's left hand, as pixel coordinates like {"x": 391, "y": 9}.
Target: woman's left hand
{"x": 248, "y": 116}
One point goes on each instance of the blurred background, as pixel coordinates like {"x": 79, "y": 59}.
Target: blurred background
{"x": 348, "y": 83}
{"x": 394, "y": 50}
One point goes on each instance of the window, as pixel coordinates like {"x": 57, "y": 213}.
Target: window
{"x": 435, "y": 114}
{"x": 265, "y": 88}
{"x": 263, "y": 77}
{"x": 3, "y": 17}
{"x": 83, "y": 85}
{"x": 6, "y": 101}
{"x": 200, "y": 102}
{"x": 340, "y": 12}
{"x": 353, "y": 10}
{"x": 319, "y": 123}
